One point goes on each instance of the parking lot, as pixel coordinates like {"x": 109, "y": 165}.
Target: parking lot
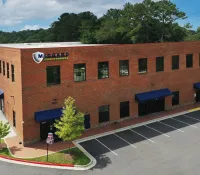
{"x": 167, "y": 146}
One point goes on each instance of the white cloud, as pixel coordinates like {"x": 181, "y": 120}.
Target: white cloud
{"x": 32, "y": 27}
{"x": 17, "y": 11}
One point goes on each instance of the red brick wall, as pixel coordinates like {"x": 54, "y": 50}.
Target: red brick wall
{"x": 93, "y": 93}
{"x": 12, "y": 56}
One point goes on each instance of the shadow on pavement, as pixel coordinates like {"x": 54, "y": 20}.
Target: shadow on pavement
{"x": 102, "y": 162}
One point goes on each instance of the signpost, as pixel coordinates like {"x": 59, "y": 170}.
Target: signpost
{"x": 49, "y": 141}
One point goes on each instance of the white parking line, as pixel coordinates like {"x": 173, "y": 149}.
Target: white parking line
{"x": 157, "y": 131}
{"x": 171, "y": 126}
{"x": 106, "y": 147}
{"x": 184, "y": 123}
{"x": 142, "y": 136}
{"x": 191, "y": 117}
{"x": 125, "y": 141}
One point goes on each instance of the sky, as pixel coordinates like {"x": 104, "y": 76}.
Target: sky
{"x": 17, "y": 15}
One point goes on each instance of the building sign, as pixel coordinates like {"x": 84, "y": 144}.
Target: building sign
{"x": 38, "y": 57}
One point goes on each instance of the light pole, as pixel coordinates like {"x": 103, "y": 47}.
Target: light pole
{"x": 49, "y": 141}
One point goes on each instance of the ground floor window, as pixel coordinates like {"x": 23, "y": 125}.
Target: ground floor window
{"x": 104, "y": 115}
{"x": 175, "y": 98}
{"x": 14, "y": 119}
{"x": 124, "y": 109}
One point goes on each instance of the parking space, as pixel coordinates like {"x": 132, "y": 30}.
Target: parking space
{"x": 151, "y": 139}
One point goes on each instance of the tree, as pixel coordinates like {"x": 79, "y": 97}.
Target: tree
{"x": 167, "y": 13}
{"x": 88, "y": 26}
{"x": 4, "y": 130}
{"x": 71, "y": 124}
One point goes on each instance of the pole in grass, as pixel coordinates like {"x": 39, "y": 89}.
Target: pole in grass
{"x": 49, "y": 141}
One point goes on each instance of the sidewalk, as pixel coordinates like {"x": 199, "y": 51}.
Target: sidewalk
{"x": 39, "y": 149}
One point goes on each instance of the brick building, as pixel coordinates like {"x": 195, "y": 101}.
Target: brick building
{"x": 108, "y": 82}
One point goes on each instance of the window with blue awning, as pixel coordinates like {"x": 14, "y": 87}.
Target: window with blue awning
{"x": 156, "y": 94}
{"x": 48, "y": 115}
{"x": 196, "y": 86}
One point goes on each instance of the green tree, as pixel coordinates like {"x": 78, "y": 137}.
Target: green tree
{"x": 167, "y": 13}
{"x": 88, "y": 26}
{"x": 4, "y": 130}
{"x": 71, "y": 124}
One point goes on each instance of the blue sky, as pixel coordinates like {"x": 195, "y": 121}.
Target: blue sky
{"x": 33, "y": 14}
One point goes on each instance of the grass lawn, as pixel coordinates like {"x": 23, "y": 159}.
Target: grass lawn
{"x": 5, "y": 151}
{"x": 77, "y": 157}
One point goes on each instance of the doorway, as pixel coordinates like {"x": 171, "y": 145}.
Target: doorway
{"x": 198, "y": 96}
{"x": 2, "y": 105}
{"x": 151, "y": 106}
{"x": 46, "y": 127}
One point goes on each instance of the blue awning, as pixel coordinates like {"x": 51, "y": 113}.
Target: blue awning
{"x": 196, "y": 86}
{"x": 48, "y": 115}
{"x": 1, "y": 93}
{"x": 142, "y": 97}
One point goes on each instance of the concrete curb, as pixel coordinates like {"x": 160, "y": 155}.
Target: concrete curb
{"x": 93, "y": 161}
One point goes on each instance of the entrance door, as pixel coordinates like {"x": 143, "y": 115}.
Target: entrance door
{"x": 87, "y": 121}
{"x": 46, "y": 127}
{"x": 198, "y": 96}
{"x": 44, "y": 130}
{"x": 2, "y": 105}
{"x": 143, "y": 108}
{"x": 151, "y": 106}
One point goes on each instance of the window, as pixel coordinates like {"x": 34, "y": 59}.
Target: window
{"x": 8, "y": 71}
{"x": 159, "y": 64}
{"x": 142, "y": 65}
{"x": 189, "y": 60}
{"x": 79, "y": 72}
{"x": 199, "y": 60}
{"x": 175, "y": 98}
{"x": 4, "y": 69}
{"x": 104, "y": 113}
{"x": 0, "y": 67}
{"x": 124, "y": 67}
{"x": 124, "y": 109}
{"x": 13, "y": 72}
{"x": 103, "y": 70}
{"x": 53, "y": 75}
{"x": 175, "y": 62}
{"x": 14, "y": 119}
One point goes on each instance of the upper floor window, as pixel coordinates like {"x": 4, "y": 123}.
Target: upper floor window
{"x": 159, "y": 64}
{"x": 0, "y": 67}
{"x": 199, "y": 60}
{"x": 13, "y": 72}
{"x": 189, "y": 60}
{"x": 53, "y": 75}
{"x": 79, "y": 72}
{"x": 103, "y": 70}
{"x": 8, "y": 71}
{"x": 4, "y": 68}
{"x": 142, "y": 62}
{"x": 175, "y": 62}
{"x": 124, "y": 67}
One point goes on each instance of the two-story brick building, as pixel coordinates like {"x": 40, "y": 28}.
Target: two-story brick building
{"x": 108, "y": 82}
